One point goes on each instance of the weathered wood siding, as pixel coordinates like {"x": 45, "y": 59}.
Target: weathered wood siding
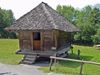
{"x": 63, "y": 40}
{"x": 48, "y": 40}
{"x": 25, "y": 40}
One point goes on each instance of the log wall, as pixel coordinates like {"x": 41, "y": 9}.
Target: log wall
{"x": 50, "y": 40}
{"x": 63, "y": 40}
{"x": 25, "y": 40}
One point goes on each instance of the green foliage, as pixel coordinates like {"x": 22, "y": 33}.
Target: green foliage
{"x": 87, "y": 19}
{"x": 96, "y": 37}
{"x": 6, "y": 18}
{"x": 69, "y": 13}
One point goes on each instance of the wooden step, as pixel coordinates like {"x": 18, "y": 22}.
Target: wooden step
{"x": 28, "y": 62}
{"x": 30, "y": 56}
{"x": 63, "y": 55}
{"x": 29, "y": 59}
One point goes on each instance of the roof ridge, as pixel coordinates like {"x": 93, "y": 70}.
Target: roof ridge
{"x": 47, "y": 12}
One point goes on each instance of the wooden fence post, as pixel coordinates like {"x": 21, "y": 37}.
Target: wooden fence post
{"x": 55, "y": 59}
{"x": 50, "y": 64}
{"x": 81, "y": 67}
{"x": 67, "y": 59}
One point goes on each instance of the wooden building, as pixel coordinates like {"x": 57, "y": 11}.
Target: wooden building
{"x": 42, "y": 32}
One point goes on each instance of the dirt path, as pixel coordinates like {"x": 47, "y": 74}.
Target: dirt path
{"x": 23, "y": 69}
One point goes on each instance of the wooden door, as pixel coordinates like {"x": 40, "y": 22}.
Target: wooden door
{"x": 36, "y": 41}
{"x": 36, "y": 44}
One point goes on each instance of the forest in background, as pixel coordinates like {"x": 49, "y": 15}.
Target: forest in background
{"x": 6, "y": 19}
{"x": 87, "y": 19}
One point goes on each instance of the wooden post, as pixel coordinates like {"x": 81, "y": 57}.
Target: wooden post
{"x": 81, "y": 67}
{"x": 41, "y": 40}
{"x": 56, "y": 40}
{"x": 55, "y": 59}
{"x": 72, "y": 49}
{"x": 50, "y": 64}
{"x": 31, "y": 40}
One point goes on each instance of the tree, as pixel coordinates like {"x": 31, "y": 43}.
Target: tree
{"x": 94, "y": 17}
{"x": 6, "y": 18}
{"x": 87, "y": 19}
{"x": 66, "y": 11}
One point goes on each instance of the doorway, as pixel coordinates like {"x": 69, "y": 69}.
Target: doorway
{"x": 36, "y": 41}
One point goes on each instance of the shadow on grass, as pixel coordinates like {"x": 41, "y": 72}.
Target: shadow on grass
{"x": 74, "y": 64}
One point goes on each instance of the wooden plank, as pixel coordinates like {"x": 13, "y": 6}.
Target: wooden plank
{"x": 26, "y": 44}
{"x": 48, "y": 43}
{"x": 52, "y": 39}
{"x": 81, "y": 61}
{"x": 88, "y": 62}
{"x": 41, "y": 34}
{"x": 50, "y": 65}
{"x": 47, "y": 32}
{"x": 48, "y": 35}
{"x": 55, "y": 40}
{"x": 70, "y": 39}
{"x": 47, "y": 40}
{"x": 20, "y": 40}
{"x": 81, "y": 67}
{"x": 36, "y": 44}
{"x": 31, "y": 40}
{"x": 26, "y": 35}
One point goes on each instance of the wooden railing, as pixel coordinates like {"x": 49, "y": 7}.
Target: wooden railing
{"x": 67, "y": 59}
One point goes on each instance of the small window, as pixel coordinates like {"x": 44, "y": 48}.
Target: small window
{"x": 36, "y": 36}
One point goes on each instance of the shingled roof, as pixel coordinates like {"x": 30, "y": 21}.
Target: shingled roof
{"x": 43, "y": 17}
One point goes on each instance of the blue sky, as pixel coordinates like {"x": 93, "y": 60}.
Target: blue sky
{"x": 20, "y": 7}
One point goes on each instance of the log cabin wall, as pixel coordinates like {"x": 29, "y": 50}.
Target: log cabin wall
{"x": 63, "y": 40}
{"x": 25, "y": 40}
{"x": 48, "y": 40}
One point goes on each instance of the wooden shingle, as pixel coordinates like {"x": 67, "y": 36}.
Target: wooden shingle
{"x": 41, "y": 18}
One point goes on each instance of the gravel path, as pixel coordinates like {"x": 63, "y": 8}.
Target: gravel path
{"x": 23, "y": 69}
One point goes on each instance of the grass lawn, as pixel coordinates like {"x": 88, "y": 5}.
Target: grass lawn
{"x": 8, "y": 47}
{"x": 73, "y": 68}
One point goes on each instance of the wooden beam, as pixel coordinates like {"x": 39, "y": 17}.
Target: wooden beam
{"x": 31, "y": 39}
{"x": 81, "y": 67}
{"x": 67, "y": 59}
{"x": 20, "y": 40}
{"x": 51, "y": 38}
{"x": 55, "y": 39}
{"x": 81, "y": 61}
{"x": 41, "y": 33}
{"x": 50, "y": 64}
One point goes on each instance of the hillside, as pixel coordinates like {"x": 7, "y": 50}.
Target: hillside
{"x": 96, "y": 5}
